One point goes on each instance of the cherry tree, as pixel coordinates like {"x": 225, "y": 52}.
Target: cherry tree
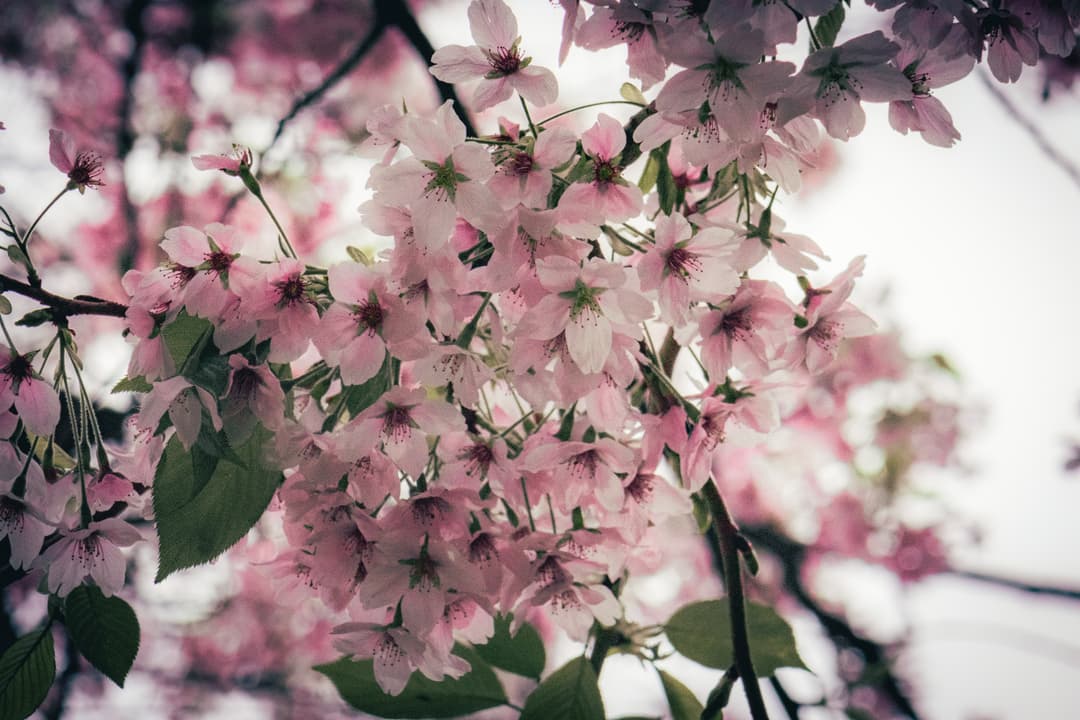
{"x": 570, "y": 353}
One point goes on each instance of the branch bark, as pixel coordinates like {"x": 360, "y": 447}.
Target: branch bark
{"x": 63, "y": 307}
{"x": 388, "y": 14}
{"x": 727, "y": 535}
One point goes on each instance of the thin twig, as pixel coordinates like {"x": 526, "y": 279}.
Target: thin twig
{"x": 1041, "y": 141}
{"x": 345, "y": 67}
{"x": 388, "y": 13}
{"x": 1021, "y": 585}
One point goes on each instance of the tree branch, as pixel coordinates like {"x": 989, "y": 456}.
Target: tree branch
{"x": 1021, "y": 585}
{"x": 791, "y": 555}
{"x": 727, "y": 535}
{"x": 61, "y": 306}
{"x": 125, "y": 134}
{"x": 1041, "y": 141}
{"x": 388, "y": 14}
{"x": 398, "y": 14}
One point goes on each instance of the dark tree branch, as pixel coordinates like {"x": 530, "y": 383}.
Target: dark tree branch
{"x": 388, "y": 14}
{"x": 728, "y": 551}
{"x": 1021, "y": 585}
{"x": 790, "y": 706}
{"x": 336, "y": 75}
{"x": 399, "y": 15}
{"x": 125, "y": 135}
{"x": 791, "y": 555}
{"x": 63, "y": 307}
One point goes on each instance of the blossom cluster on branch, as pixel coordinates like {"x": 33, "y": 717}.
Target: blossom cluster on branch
{"x": 571, "y": 342}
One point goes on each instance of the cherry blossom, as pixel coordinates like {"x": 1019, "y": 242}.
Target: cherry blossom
{"x": 94, "y": 552}
{"x": 496, "y": 58}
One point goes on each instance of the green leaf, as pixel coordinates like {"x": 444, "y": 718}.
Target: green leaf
{"x": 631, "y": 93}
{"x": 35, "y": 318}
{"x": 665, "y": 186}
{"x": 211, "y": 372}
{"x": 105, "y": 630}
{"x": 476, "y": 690}
{"x": 202, "y": 510}
{"x": 136, "y": 384}
{"x": 682, "y": 701}
{"x": 182, "y": 334}
{"x": 357, "y": 255}
{"x": 361, "y": 397}
{"x": 650, "y": 173}
{"x": 17, "y": 256}
{"x": 570, "y": 693}
{"x": 5, "y": 305}
{"x": 521, "y": 654}
{"x": 702, "y": 632}
{"x": 828, "y": 25}
{"x": 27, "y": 670}
{"x": 858, "y": 714}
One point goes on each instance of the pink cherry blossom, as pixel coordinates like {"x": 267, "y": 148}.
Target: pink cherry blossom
{"x": 94, "y": 552}
{"x": 607, "y": 197}
{"x": 401, "y": 420}
{"x": 524, "y": 175}
{"x": 829, "y": 319}
{"x": 229, "y": 164}
{"x": 588, "y": 303}
{"x": 496, "y": 58}
{"x": 686, "y": 266}
{"x": 35, "y": 401}
{"x": 253, "y": 394}
{"x": 834, "y": 81}
{"x": 365, "y": 322}
{"x": 82, "y": 167}
{"x": 746, "y": 331}
{"x": 446, "y": 176}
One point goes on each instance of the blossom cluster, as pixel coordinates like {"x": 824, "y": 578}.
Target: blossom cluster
{"x": 556, "y": 352}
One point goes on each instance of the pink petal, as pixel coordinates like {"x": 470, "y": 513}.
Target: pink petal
{"x": 61, "y": 151}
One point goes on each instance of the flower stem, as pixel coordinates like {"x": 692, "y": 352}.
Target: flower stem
{"x": 283, "y": 239}
{"x": 528, "y": 117}
{"x": 33, "y": 225}
{"x": 545, "y": 121}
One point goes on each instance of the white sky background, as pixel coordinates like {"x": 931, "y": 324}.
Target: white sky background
{"x": 978, "y": 247}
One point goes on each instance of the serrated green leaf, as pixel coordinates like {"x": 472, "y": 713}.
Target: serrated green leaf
{"x": 701, "y": 631}
{"x": 521, "y": 654}
{"x": 137, "y": 384}
{"x": 211, "y": 371}
{"x": 198, "y": 518}
{"x": 569, "y": 693}
{"x": 476, "y": 690}
{"x": 631, "y": 93}
{"x": 681, "y": 699}
{"x": 828, "y": 25}
{"x": 105, "y": 630}
{"x": 27, "y": 670}
{"x": 182, "y": 334}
